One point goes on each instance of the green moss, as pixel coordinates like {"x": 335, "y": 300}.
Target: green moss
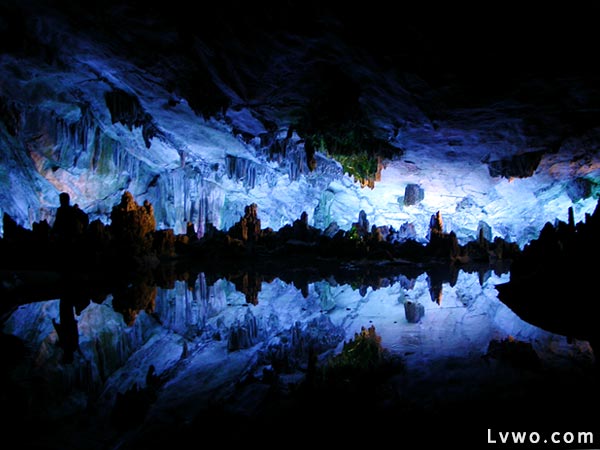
{"x": 362, "y": 354}
{"x": 353, "y": 233}
{"x": 362, "y": 166}
{"x": 357, "y": 152}
{"x": 333, "y": 121}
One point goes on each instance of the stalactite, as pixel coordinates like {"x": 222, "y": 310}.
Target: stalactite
{"x": 96, "y": 150}
{"x": 243, "y": 170}
{"x": 126, "y": 109}
{"x": 72, "y": 138}
{"x": 287, "y": 152}
{"x": 203, "y": 210}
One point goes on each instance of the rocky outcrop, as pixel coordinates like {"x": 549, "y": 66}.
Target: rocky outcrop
{"x": 413, "y": 311}
{"x": 248, "y": 228}
{"x": 413, "y": 194}
{"x": 132, "y": 226}
{"x": 441, "y": 243}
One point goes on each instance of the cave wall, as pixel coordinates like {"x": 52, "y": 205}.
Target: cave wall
{"x": 203, "y": 120}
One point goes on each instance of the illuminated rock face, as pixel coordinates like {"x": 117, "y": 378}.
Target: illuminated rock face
{"x": 203, "y": 123}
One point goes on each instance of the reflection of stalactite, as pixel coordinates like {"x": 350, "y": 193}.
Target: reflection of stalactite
{"x": 435, "y": 291}
{"x": 68, "y": 334}
{"x": 133, "y": 299}
{"x": 186, "y": 309}
{"x": 250, "y": 284}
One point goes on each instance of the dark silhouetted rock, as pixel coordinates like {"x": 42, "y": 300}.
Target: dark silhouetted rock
{"x": 331, "y": 229}
{"x": 134, "y": 298}
{"x": 163, "y": 243}
{"x": 70, "y": 222}
{"x": 10, "y": 116}
{"x": 248, "y": 228}
{"x": 441, "y": 244}
{"x": 126, "y": 109}
{"x": 13, "y": 232}
{"x": 517, "y": 166}
{"x": 131, "y": 406}
{"x": 550, "y": 271}
{"x": 518, "y": 354}
{"x": 132, "y": 226}
{"x": 579, "y": 188}
{"x": 484, "y": 232}
{"x": 302, "y": 231}
{"x": 67, "y": 331}
{"x": 190, "y": 232}
{"x": 436, "y": 225}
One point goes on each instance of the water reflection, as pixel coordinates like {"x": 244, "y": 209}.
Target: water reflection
{"x": 202, "y": 339}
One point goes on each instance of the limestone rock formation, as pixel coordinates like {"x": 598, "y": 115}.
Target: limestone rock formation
{"x": 132, "y": 226}
{"x": 248, "y": 228}
{"x": 413, "y": 311}
{"x": 243, "y": 334}
{"x": 413, "y": 194}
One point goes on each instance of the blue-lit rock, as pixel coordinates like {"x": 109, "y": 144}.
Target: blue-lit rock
{"x": 96, "y": 121}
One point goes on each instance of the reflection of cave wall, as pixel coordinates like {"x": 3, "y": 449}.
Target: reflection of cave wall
{"x": 518, "y": 166}
{"x": 62, "y": 389}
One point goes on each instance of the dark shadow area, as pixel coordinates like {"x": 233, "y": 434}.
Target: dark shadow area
{"x": 552, "y": 281}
